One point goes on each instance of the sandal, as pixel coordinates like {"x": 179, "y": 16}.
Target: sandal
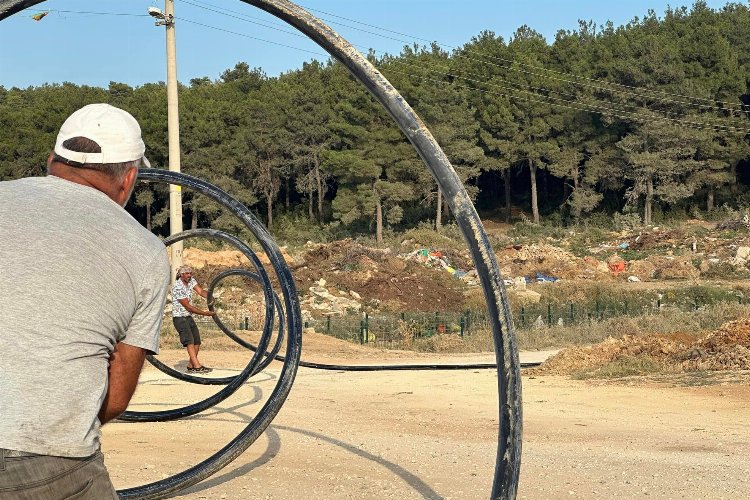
{"x": 200, "y": 369}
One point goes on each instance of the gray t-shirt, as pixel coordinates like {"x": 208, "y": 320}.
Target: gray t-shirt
{"x": 79, "y": 274}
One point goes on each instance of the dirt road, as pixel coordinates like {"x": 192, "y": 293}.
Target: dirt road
{"x": 433, "y": 435}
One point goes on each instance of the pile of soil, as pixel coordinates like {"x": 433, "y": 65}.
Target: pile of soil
{"x": 527, "y": 260}
{"x": 382, "y": 280}
{"x": 728, "y": 348}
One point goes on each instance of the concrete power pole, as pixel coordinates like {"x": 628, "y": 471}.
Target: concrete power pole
{"x": 166, "y": 19}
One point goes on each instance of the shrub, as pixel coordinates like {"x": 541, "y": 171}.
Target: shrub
{"x": 627, "y": 221}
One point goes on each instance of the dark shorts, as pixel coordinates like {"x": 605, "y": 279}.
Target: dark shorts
{"x": 188, "y": 330}
{"x": 40, "y": 477}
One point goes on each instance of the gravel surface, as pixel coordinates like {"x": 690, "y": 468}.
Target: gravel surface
{"x": 410, "y": 435}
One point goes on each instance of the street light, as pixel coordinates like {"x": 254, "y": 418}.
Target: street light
{"x": 163, "y": 19}
{"x": 166, "y": 19}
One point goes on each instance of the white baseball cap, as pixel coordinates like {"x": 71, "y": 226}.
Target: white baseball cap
{"x": 114, "y": 130}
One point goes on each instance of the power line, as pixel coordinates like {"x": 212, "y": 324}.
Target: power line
{"x": 221, "y": 11}
{"x": 484, "y": 59}
{"x": 518, "y": 88}
{"x": 618, "y": 113}
{"x": 510, "y": 61}
{"x": 253, "y": 37}
{"x": 249, "y": 19}
{"x": 596, "y": 108}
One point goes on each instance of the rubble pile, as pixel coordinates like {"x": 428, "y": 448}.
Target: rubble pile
{"x": 728, "y": 348}
{"x": 549, "y": 260}
{"x": 321, "y": 300}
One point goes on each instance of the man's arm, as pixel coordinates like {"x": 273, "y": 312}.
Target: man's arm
{"x": 194, "y": 310}
{"x": 125, "y": 365}
{"x": 200, "y": 291}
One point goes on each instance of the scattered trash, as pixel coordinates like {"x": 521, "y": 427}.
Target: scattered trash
{"x": 435, "y": 258}
{"x": 543, "y": 278}
{"x": 633, "y": 279}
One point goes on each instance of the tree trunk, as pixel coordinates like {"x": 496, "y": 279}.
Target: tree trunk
{"x": 649, "y": 201}
{"x": 379, "y": 221}
{"x": 287, "y": 203}
{"x": 319, "y": 184}
{"x": 574, "y": 176}
{"x": 446, "y": 210}
{"x": 310, "y": 206}
{"x": 733, "y": 179}
{"x": 148, "y": 217}
{"x": 710, "y": 199}
{"x": 194, "y": 216}
{"x": 269, "y": 211}
{"x": 534, "y": 202}
{"x": 439, "y": 215}
{"x": 506, "y": 181}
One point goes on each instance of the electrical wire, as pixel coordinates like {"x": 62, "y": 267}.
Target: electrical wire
{"x": 483, "y": 59}
{"x": 237, "y": 15}
{"x": 540, "y": 89}
{"x": 589, "y": 107}
{"x": 625, "y": 115}
{"x": 510, "y": 61}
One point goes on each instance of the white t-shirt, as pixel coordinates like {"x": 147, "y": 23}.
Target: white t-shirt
{"x": 182, "y": 291}
{"x": 79, "y": 275}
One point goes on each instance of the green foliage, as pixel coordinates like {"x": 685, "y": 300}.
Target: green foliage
{"x": 425, "y": 236}
{"x": 626, "y": 221}
{"x": 313, "y": 140}
{"x": 295, "y": 229}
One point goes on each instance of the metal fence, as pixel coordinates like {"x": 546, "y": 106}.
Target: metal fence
{"x": 400, "y": 330}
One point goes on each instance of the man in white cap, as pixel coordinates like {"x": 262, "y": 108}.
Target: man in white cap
{"x": 182, "y": 316}
{"x": 84, "y": 286}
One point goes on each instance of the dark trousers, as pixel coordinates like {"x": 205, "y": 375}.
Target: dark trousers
{"x": 25, "y": 476}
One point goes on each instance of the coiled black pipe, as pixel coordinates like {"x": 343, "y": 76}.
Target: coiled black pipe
{"x": 255, "y": 364}
{"x": 255, "y": 428}
{"x": 274, "y": 352}
{"x": 508, "y": 458}
{"x": 270, "y": 299}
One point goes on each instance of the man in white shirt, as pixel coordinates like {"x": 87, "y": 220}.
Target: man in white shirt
{"x": 182, "y": 316}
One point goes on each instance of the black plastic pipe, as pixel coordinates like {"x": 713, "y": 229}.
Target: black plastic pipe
{"x": 508, "y": 459}
{"x": 195, "y": 474}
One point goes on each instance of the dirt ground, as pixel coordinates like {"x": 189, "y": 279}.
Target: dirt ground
{"x": 432, "y": 434}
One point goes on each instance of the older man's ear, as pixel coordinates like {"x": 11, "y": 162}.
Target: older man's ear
{"x": 127, "y": 186}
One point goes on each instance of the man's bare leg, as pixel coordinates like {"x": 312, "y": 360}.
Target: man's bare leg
{"x": 192, "y": 350}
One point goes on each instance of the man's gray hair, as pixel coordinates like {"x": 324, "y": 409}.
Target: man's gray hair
{"x": 85, "y": 145}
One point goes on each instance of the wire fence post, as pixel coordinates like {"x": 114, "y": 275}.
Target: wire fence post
{"x": 367, "y": 328}
{"x": 523, "y": 316}
{"x": 598, "y": 312}
{"x": 361, "y": 331}
{"x": 549, "y": 314}
{"x": 328, "y": 325}
{"x": 572, "y": 314}
{"x": 463, "y": 325}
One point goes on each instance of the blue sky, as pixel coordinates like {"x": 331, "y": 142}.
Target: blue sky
{"x": 94, "y": 42}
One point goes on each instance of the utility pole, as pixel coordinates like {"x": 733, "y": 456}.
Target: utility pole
{"x": 166, "y": 19}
